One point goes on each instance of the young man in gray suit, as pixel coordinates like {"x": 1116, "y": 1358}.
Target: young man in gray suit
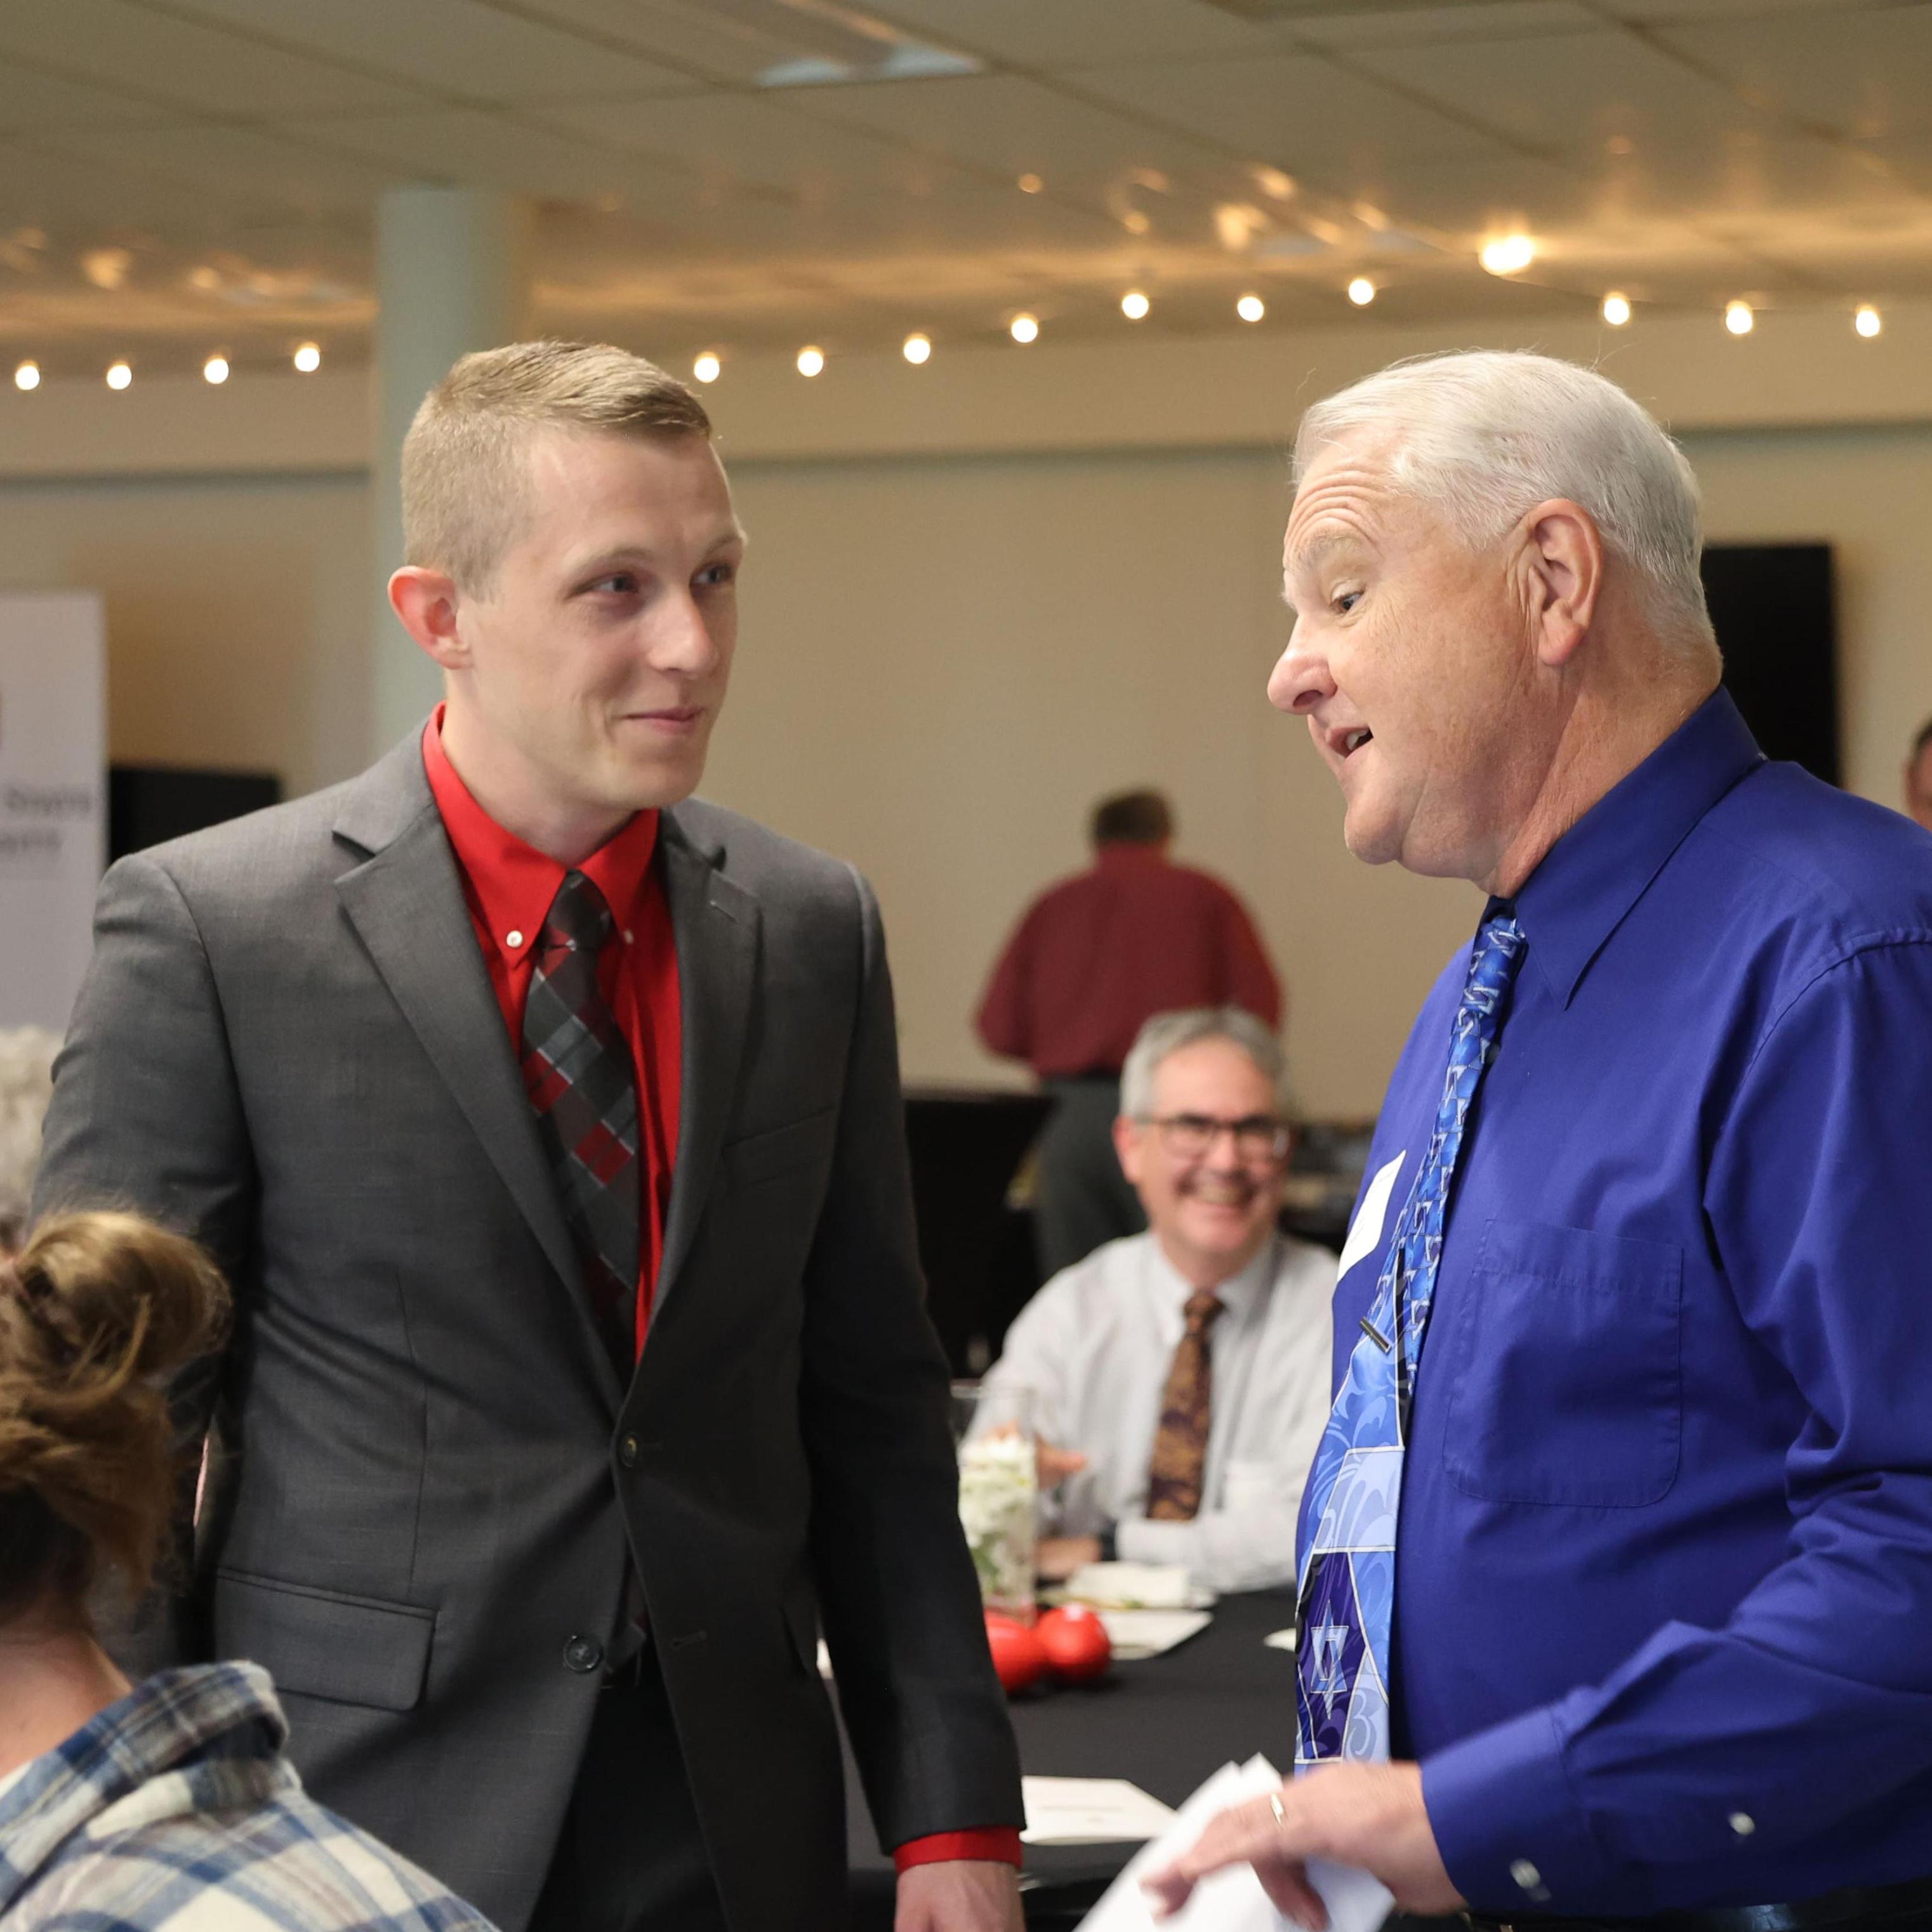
{"x": 547, "y": 1126}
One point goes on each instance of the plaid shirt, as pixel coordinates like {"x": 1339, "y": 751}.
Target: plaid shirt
{"x": 174, "y": 1811}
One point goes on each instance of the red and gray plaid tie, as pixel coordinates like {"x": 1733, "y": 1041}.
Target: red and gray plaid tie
{"x": 578, "y": 1072}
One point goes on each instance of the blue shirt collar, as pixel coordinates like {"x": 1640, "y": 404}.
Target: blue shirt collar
{"x": 1597, "y": 871}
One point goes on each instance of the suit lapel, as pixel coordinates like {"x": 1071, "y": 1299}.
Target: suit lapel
{"x": 715, "y": 921}
{"x": 406, "y": 902}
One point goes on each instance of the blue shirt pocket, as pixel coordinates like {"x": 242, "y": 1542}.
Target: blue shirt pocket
{"x": 1564, "y": 1364}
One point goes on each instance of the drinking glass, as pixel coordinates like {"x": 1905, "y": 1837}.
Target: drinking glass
{"x": 998, "y": 1492}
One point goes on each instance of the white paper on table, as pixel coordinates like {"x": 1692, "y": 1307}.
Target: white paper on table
{"x": 1137, "y": 1586}
{"x": 1231, "y": 1901}
{"x": 1090, "y": 1811}
{"x": 1142, "y": 1633}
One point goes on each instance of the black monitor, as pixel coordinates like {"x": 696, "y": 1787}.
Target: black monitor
{"x": 149, "y": 804}
{"x": 1773, "y": 608}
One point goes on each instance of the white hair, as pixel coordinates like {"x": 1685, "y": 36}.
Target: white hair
{"x": 26, "y": 1086}
{"x": 1167, "y": 1034}
{"x": 1485, "y": 435}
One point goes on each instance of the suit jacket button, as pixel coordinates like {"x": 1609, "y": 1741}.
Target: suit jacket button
{"x": 584, "y": 1655}
{"x": 628, "y": 1452}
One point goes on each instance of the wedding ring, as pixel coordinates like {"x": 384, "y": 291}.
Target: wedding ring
{"x": 1280, "y": 1816}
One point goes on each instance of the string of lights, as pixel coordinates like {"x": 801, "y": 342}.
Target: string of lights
{"x": 1505, "y": 257}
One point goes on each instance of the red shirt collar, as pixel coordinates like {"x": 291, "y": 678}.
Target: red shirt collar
{"x": 514, "y": 883}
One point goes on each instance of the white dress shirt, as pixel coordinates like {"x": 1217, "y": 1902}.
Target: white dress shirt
{"x": 1095, "y": 1346}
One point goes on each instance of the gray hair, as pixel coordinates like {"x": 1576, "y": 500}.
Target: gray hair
{"x": 1167, "y": 1034}
{"x": 26, "y": 1086}
{"x": 1485, "y": 435}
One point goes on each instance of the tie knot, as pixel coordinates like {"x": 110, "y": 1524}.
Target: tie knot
{"x": 578, "y": 916}
{"x": 1493, "y": 959}
{"x": 1201, "y": 1311}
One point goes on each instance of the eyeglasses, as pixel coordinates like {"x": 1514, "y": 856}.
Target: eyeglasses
{"x": 1188, "y": 1136}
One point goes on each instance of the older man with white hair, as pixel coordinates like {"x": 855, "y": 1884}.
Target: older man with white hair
{"x": 1616, "y": 1558}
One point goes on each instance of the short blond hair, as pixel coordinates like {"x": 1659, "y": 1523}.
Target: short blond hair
{"x": 463, "y": 496}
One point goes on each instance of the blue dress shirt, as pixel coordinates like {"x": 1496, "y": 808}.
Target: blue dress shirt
{"x": 1663, "y": 1587}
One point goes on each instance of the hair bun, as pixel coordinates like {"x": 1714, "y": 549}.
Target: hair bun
{"x": 102, "y": 1309}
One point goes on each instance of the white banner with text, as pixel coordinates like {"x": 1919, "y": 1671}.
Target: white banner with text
{"x": 53, "y": 805}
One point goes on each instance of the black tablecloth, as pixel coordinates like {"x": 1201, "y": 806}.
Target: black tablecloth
{"x": 1167, "y": 1724}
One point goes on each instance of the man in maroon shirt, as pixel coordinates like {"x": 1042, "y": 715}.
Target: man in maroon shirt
{"x": 1094, "y": 959}
{"x": 546, "y": 1121}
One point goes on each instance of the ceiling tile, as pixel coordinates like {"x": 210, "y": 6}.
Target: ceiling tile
{"x": 1570, "y": 94}
{"x": 159, "y": 57}
{"x": 1647, "y": 11}
{"x": 692, "y": 36}
{"x": 466, "y": 147}
{"x": 1081, "y": 33}
{"x": 456, "y": 49}
{"x": 243, "y": 168}
{"x": 1499, "y": 20}
{"x": 29, "y": 98}
{"x": 1007, "y": 126}
{"x": 1872, "y": 82}
{"x": 746, "y": 138}
{"x": 1299, "y": 112}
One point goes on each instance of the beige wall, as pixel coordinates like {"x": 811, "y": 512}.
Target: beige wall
{"x": 237, "y": 611}
{"x": 947, "y": 653}
{"x": 946, "y": 660}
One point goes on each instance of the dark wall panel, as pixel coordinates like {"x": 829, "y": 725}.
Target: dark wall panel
{"x": 1773, "y": 607}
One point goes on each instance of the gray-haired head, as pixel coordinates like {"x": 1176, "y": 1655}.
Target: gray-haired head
{"x": 1485, "y": 435}
{"x": 1167, "y": 1034}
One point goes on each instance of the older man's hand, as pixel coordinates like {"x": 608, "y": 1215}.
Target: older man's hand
{"x": 1367, "y": 1815}
{"x": 958, "y": 1895}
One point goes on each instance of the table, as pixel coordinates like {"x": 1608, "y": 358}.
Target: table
{"x": 1166, "y": 1724}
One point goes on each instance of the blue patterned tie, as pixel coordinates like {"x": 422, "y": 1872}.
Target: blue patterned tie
{"x": 1348, "y": 1571}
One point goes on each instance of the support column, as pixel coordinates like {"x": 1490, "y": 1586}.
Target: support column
{"x": 452, "y": 275}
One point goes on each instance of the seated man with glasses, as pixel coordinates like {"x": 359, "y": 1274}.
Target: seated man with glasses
{"x": 1180, "y": 1378}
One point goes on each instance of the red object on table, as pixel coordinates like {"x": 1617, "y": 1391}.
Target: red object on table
{"x": 1018, "y": 1655}
{"x": 1075, "y": 1641}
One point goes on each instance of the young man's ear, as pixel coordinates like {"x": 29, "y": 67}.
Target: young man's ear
{"x": 425, "y": 600}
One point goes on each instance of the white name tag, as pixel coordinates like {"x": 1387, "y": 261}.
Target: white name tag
{"x": 1365, "y": 1231}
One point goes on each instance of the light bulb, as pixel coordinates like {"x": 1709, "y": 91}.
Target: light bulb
{"x": 1251, "y": 308}
{"x": 1361, "y": 292}
{"x": 1508, "y": 254}
{"x": 27, "y": 376}
{"x": 1134, "y": 305}
{"x": 1867, "y": 321}
{"x": 1737, "y": 317}
{"x": 308, "y": 357}
{"x": 1616, "y": 309}
{"x": 119, "y": 376}
{"x": 811, "y": 360}
{"x": 916, "y": 349}
{"x": 1024, "y": 328}
{"x": 707, "y": 367}
{"x": 215, "y": 369}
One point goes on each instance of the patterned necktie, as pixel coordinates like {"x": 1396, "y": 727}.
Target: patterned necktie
{"x": 1180, "y": 1444}
{"x": 578, "y": 1072}
{"x": 1347, "y": 1573}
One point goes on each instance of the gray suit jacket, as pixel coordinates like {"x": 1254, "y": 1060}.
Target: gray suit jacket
{"x": 428, "y": 1474}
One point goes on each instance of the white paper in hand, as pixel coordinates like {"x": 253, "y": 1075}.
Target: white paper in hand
{"x": 1231, "y": 1901}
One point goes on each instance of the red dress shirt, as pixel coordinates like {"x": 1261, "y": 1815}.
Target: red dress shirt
{"x": 1098, "y": 955}
{"x": 509, "y": 886}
